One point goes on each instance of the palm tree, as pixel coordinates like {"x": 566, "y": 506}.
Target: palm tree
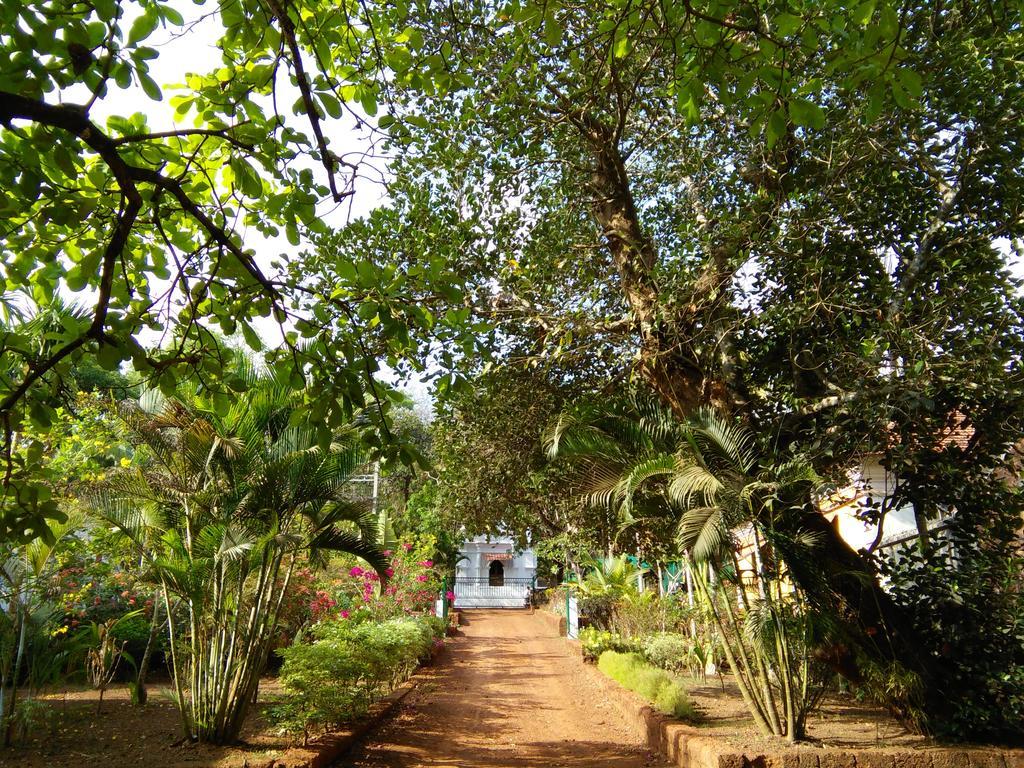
{"x": 734, "y": 506}
{"x": 221, "y": 504}
{"x": 609, "y": 577}
{"x": 29, "y": 394}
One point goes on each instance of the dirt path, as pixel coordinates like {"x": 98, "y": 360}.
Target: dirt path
{"x": 504, "y": 695}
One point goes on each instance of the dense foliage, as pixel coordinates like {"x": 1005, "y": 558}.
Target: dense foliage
{"x": 349, "y": 665}
{"x": 220, "y": 505}
{"x": 142, "y": 210}
{"x": 655, "y": 685}
{"x": 731, "y": 249}
{"x": 965, "y": 596}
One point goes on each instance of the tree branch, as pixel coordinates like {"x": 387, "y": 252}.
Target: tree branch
{"x": 74, "y": 120}
{"x": 328, "y": 159}
{"x": 218, "y": 133}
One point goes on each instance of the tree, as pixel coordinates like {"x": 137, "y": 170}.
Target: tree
{"x": 146, "y": 221}
{"x": 222, "y": 508}
{"x": 732, "y": 504}
{"x": 491, "y": 476}
{"x": 798, "y": 215}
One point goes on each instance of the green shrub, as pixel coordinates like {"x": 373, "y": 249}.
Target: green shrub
{"x": 656, "y": 685}
{"x": 347, "y": 667}
{"x": 596, "y": 611}
{"x": 668, "y": 651}
{"x": 326, "y": 684}
{"x": 437, "y": 626}
{"x": 648, "y": 681}
{"x": 594, "y": 642}
{"x": 647, "y": 613}
{"x": 135, "y": 631}
{"x": 673, "y": 700}
{"x": 965, "y": 601}
{"x": 618, "y": 666}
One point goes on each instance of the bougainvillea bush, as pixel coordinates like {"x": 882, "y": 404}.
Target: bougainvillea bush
{"x": 363, "y": 636}
{"x": 355, "y": 592}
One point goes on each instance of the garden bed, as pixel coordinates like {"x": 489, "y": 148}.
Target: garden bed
{"x": 838, "y": 722}
{"x": 842, "y": 734}
{"x": 126, "y": 736}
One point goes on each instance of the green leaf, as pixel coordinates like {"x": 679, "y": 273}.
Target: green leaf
{"x": 143, "y": 26}
{"x": 888, "y": 20}
{"x": 806, "y": 113}
{"x": 368, "y": 100}
{"x": 77, "y": 278}
{"x": 786, "y": 24}
{"x": 63, "y": 160}
{"x": 623, "y": 45}
{"x": 247, "y": 178}
{"x": 900, "y": 96}
{"x": 172, "y": 15}
{"x": 251, "y": 337}
{"x": 862, "y": 13}
{"x": 150, "y": 87}
{"x": 911, "y": 82}
{"x": 876, "y": 100}
{"x": 330, "y": 104}
{"x": 776, "y": 127}
{"x": 292, "y": 232}
{"x": 552, "y": 30}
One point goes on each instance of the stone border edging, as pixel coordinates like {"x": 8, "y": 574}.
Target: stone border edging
{"x": 689, "y": 746}
{"x": 329, "y": 747}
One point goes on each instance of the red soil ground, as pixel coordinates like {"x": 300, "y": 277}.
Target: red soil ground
{"x": 506, "y": 694}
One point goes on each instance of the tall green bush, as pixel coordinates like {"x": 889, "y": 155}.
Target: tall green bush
{"x": 966, "y": 599}
{"x": 668, "y": 651}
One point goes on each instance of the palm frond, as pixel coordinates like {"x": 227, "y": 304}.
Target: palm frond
{"x": 599, "y": 479}
{"x": 39, "y": 551}
{"x": 703, "y": 534}
{"x": 235, "y": 543}
{"x": 761, "y": 626}
{"x": 723, "y": 440}
{"x": 336, "y": 540}
{"x": 693, "y": 484}
{"x": 641, "y": 473}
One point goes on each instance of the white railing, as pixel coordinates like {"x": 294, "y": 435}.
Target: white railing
{"x": 471, "y": 592}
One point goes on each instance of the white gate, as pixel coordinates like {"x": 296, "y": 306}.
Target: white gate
{"x": 473, "y": 592}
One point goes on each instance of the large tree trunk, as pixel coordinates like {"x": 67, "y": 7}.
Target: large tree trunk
{"x": 841, "y": 580}
{"x": 668, "y": 361}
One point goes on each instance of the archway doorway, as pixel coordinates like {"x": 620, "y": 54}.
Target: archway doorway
{"x": 496, "y": 574}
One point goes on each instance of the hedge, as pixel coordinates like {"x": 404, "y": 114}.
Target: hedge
{"x": 656, "y": 685}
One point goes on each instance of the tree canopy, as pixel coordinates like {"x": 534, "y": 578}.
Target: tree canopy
{"x": 156, "y": 227}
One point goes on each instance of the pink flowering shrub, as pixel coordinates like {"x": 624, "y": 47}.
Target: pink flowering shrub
{"x": 410, "y": 588}
{"x": 90, "y": 583}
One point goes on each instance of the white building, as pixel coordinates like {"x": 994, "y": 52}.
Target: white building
{"x": 870, "y": 481}
{"x": 871, "y": 484}
{"x": 492, "y": 573}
